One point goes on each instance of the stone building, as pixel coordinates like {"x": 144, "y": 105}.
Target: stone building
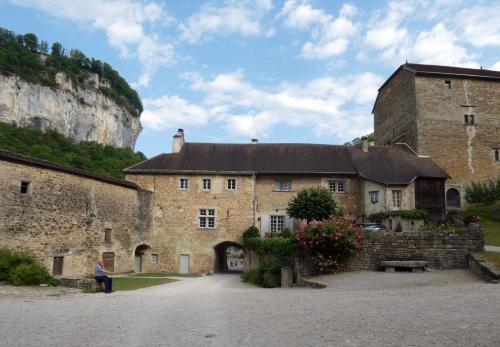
{"x": 450, "y": 114}
{"x": 68, "y": 218}
{"x": 205, "y": 195}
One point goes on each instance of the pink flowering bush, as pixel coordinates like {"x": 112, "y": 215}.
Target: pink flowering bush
{"x": 329, "y": 243}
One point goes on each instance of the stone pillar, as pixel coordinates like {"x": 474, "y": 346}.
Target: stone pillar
{"x": 286, "y": 277}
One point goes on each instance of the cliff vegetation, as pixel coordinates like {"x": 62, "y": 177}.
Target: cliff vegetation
{"x": 52, "y": 146}
{"x": 30, "y": 59}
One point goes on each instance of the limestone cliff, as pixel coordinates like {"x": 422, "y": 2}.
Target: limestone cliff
{"x": 83, "y": 114}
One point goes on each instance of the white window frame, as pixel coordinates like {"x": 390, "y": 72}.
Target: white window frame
{"x": 282, "y": 185}
{"x": 231, "y": 184}
{"x": 154, "y": 258}
{"x": 276, "y": 223}
{"x": 337, "y": 185}
{"x": 374, "y": 196}
{"x": 206, "y": 183}
{"x": 206, "y": 218}
{"x": 183, "y": 184}
{"x": 397, "y": 196}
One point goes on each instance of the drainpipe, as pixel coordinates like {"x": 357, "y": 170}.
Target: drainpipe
{"x": 254, "y": 178}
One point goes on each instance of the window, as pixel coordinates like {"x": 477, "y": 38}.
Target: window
{"x": 207, "y": 183}
{"x": 497, "y": 154}
{"x": 469, "y": 119}
{"x": 277, "y": 223}
{"x": 184, "y": 183}
{"x": 57, "y": 266}
{"x": 282, "y": 185}
{"x": 206, "y": 218}
{"x": 447, "y": 84}
{"x": 24, "y": 187}
{"x": 396, "y": 198}
{"x": 373, "y": 197}
{"x": 231, "y": 184}
{"x": 154, "y": 258}
{"x": 452, "y": 198}
{"x": 337, "y": 186}
{"x": 107, "y": 235}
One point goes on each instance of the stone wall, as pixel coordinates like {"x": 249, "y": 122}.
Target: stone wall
{"x": 395, "y": 111}
{"x": 176, "y": 230}
{"x": 442, "y": 250}
{"x": 466, "y": 152}
{"x": 65, "y": 215}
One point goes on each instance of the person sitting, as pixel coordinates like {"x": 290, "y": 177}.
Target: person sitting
{"x": 101, "y": 275}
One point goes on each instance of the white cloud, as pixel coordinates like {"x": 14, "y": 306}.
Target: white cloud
{"x": 496, "y": 66}
{"x": 329, "y": 36}
{"x": 330, "y": 106}
{"x": 125, "y": 23}
{"x": 238, "y": 18}
{"x": 171, "y": 111}
{"x": 480, "y": 26}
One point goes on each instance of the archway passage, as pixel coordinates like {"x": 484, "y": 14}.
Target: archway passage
{"x": 228, "y": 257}
{"x": 453, "y": 198}
{"x": 141, "y": 253}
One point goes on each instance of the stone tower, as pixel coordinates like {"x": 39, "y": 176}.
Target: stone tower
{"x": 450, "y": 114}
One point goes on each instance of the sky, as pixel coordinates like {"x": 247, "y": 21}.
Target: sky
{"x": 280, "y": 71}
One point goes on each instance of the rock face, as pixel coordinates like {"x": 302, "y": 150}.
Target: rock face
{"x": 83, "y": 114}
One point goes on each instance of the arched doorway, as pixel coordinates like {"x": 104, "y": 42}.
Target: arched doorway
{"x": 453, "y": 198}
{"x": 141, "y": 253}
{"x": 228, "y": 257}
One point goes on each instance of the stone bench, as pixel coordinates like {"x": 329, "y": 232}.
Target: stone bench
{"x": 414, "y": 265}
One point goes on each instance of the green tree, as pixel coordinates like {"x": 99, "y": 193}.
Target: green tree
{"x": 312, "y": 203}
{"x": 31, "y": 42}
{"x": 57, "y": 50}
{"x": 44, "y": 47}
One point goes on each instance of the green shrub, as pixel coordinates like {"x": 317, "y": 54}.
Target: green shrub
{"x": 413, "y": 214}
{"x": 379, "y": 216}
{"x": 28, "y": 274}
{"x": 267, "y": 274}
{"x": 283, "y": 248}
{"x": 20, "y": 268}
{"x": 252, "y": 231}
{"x": 484, "y": 192}
{"x": 312, "y": 203}
{"x": 329, "y": 243}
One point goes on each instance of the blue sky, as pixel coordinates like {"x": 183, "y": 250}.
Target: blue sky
{"x": 279, "y": 71}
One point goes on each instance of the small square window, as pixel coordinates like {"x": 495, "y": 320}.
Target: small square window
{"x": 207, "y": 183}
{"x": 336, "y": 186}
{"x": 373, "y": 197}
{"x": 447, "y": 84}
{"x": 184, "y": 183}
{"x": 340, "y": 186}
{"x": 154, "y": 258}
{"x": 231, "y": 184}
{"x": 25, "y": 187}
{"x": 469, "y": 119}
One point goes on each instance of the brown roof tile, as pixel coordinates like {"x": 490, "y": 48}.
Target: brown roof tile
{"x": 387, "y": 165}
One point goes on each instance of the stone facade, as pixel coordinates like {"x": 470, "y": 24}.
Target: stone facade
{"x": 429, "y": 113}
{"x": 67, "y": 215}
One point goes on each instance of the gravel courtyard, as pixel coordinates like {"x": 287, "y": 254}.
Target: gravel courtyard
{"x": 356, "y": 309}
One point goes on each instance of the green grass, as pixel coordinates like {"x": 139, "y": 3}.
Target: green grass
{"x": 490, "y": 220}
{"x": 491, "y": 232}
{"x": 492, "y": 258}
{"x": 131, "y": 283}
{"x": 163, "y": 274}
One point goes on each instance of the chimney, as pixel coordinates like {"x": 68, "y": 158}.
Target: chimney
{"x": 254, "y": 140}
{"x": 364, "y": 144}
{"x": 178, "y": 141}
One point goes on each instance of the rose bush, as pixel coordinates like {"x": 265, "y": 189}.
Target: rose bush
{"x": 329, "y": 243}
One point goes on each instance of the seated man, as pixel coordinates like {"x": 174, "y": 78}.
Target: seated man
{"x": 101, "y": 275}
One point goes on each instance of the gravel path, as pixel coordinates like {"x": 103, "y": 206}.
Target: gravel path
{"x": 441, "y": 308}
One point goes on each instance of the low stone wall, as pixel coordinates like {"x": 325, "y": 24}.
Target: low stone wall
{"x": 442, "y": 250}
{"x": 87, "y": 284}
{"x": 481, "y": 268}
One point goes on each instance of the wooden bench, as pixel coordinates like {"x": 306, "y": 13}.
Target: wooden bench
{"x": 414, "y": 265}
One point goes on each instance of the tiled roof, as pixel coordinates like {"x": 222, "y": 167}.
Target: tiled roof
{"x": 387, "y": 165}
{"x": 27, "y": 160}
